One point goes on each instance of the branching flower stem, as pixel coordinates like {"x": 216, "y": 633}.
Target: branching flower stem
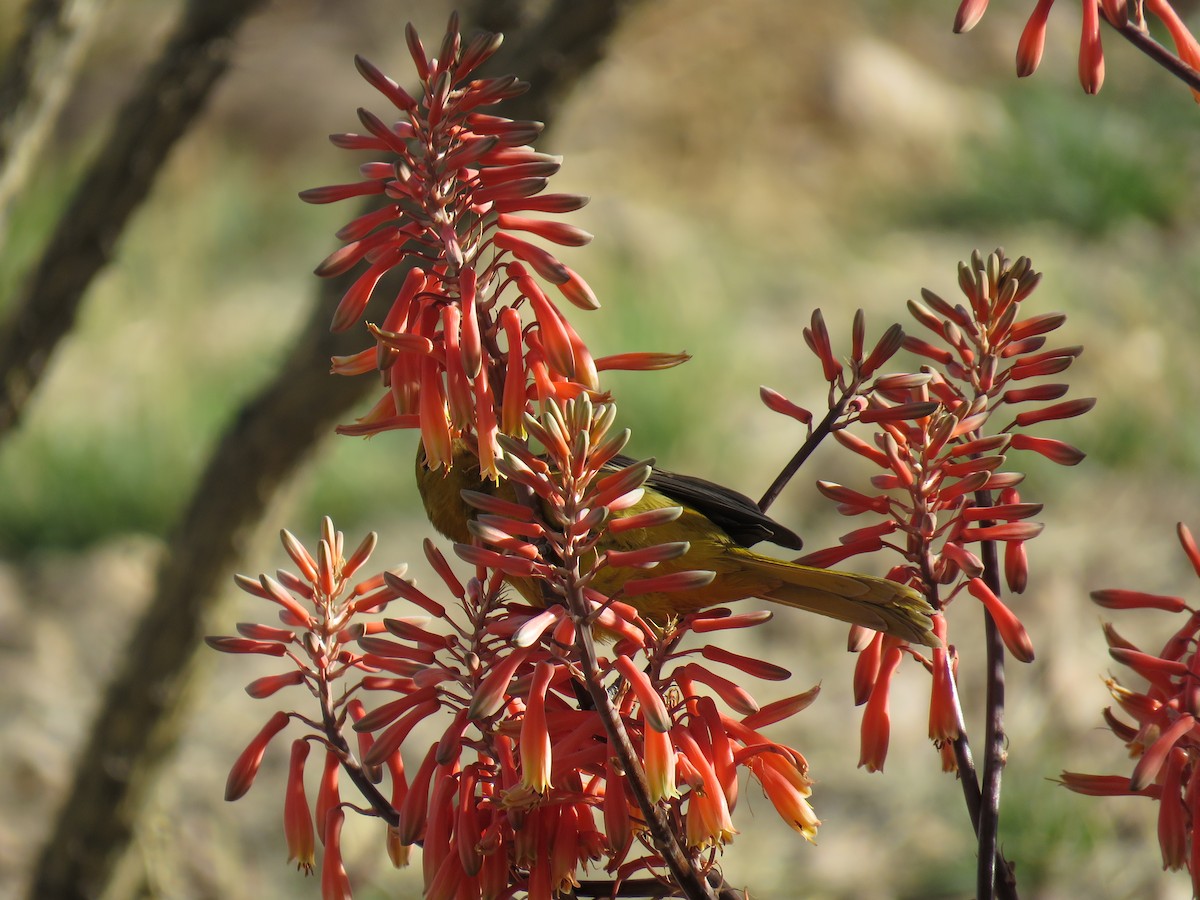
{"x": 689, "y": 878}
{"x": 806, "y": 450}
{"x": 1140, "y": 37}
{"x": 350, "y": 764}
{"x": 686, "y": 875}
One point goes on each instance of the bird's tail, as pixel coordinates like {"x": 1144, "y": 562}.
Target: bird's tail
{"x": 859, "y": 599}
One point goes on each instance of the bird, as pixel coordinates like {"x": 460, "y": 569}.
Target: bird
{"x": 720, "y": 525}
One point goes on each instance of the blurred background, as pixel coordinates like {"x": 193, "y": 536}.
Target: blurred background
{"x": 747, "y": 162}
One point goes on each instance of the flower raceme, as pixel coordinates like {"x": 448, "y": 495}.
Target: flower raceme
{"x": 1164, "y": 736}
{"x": 577, "y": 497}
{"x": 524, "y": 788}
{"x": 942, "y": 493}
{"x": 461, "y": 194}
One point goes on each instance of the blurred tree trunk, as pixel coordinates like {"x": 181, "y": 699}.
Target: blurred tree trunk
{"x": 169, "y": 96}
{"x": 140, "y": 716}
{"x": 35, "y": 82}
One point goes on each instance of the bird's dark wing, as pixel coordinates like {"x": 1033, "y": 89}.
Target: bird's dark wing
{"x": 735, "y": 513}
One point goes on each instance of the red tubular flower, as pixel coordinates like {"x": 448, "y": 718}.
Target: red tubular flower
{"x": 269, "y": 684}
{"x": 968, "y": 15}
{"x": 776, "y": 402}
{"x": 720, "y": 619}
{"x": 390, "y": 740}
{"x": 491, "y": 694}
{"x": 335, "y": 882}
{"x": 735, "y": 696}
{"x": 1013, "y": 633}
{"x": 1147, "y": 769}
{"x": 851, "y": 502}
{"x": 866, "y": 669}
{"x": 1033, "y": 39}
{"x": 1172, "y": 815}
{"x": 653, "y": 708}
{"x": 1189, "y": 546}
{"x": 1104, "y": 785}
{"x": 534, "y": 746}
{"x": 641, "y": 362}
{"x": 782, "y": 709}
{"x": 817, "y": 338}
{"x": 757, "y": 668}
{"x": 722, "y": 749}
{"x": 1158, "y": 671}
{"x": 943, "y": 703}
{"x": 446, "y": 881}
{"x": 436, "y": 846}
{"x": 708, "y": 821}
{"x": 467, "y": 830}
{"x": 244, "y": 770}
{"x": 876, "y": 722}
{"x": 566, "y": 846}
{"x": 884, "y": 349}
{"x": 788, "y": 799}
{"x": 414, "y": 810}
{"x": 297, "y": 821}
{"x": 328, "y": 796}
{"x": 245, "y": 645}
{"x": 618, "y": 825}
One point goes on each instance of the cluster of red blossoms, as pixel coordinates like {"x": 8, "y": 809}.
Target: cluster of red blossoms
{"x": 527, "y": 785}
{"x": 942, "y": 496}
{"x": 453, "y": 349}
{"x": 1118, "y": 13}
{"x": 1164, "y": 737}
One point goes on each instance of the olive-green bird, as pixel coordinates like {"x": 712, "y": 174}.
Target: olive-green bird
{"x": 719, "y": 525}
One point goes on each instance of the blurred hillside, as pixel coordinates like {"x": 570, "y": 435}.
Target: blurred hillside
{"x": 748, "y": 161}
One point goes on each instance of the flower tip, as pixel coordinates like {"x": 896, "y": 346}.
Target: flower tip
{"x": 1027, "y": 65}
{"x": 968, "y": 15}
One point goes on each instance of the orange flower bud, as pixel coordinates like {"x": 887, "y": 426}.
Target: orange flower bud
{"x": 1033, "y": 39}
{"x": 269, "y": 684}
{"x": 651, "y": 702}
{"x": 756, "y": 667}
{"x": 776, "y": 402}
{"x": 737, "y": 697}
{"x": 244, "y": 770}
{"x": 1013, "y": 633}
{"x": 782, "y": 709}
{"x": 641, "y": 362}
{"x": 492, "y": 692}
{"x": 1091, "y": 53}
{"x": 1189, "y": 545}
{"x": 1147, "y": 769}
{"x": 968, "y": 15}
{"x": 415, "y": 808}
{"x": 1104, "y": 785}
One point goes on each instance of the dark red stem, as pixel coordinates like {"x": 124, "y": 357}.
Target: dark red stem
{"x": 822, "y": 431}
{"x": 995, "y": 874}
{"x": 1140, "y": 38}
{"x": 351, "y": 765}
